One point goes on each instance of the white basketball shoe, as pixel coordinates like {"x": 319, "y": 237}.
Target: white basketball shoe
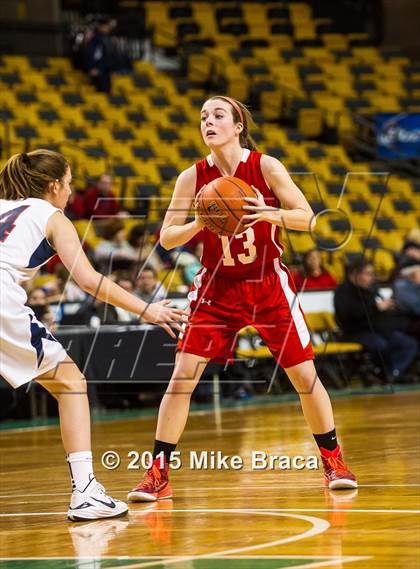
{"x": 93, "y": 504}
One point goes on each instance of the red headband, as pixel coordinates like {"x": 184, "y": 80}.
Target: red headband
{"x": 234, "y": 105}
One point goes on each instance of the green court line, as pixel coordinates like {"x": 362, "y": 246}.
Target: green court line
{"x": 219, "y": 563}
{"x": 118, "y": 415}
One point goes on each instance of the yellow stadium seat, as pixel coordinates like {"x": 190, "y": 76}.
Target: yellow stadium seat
{"x": 247, "y": 348}
{"x": 42, "y": 280}
{"x": 172, "y": 280}
{"x": 335, "y": 41}
{"x": 310, "y": 122}
{"x": 322, "y": 325}
{"x": 86, "y": 231}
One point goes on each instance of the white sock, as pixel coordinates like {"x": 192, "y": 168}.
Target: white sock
{"x": 81, "y": 469}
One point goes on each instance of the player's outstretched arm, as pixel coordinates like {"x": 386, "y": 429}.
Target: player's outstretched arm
{"x": 175, "y": 231}
{"x": 296, "y": 212}
{"x": 63, "y": 237}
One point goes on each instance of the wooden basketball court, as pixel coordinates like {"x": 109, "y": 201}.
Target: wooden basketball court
{"x": 236, "y": 519}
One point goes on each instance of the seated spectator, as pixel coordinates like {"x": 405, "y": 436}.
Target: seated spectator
{"x": 410, "y": 252}
{"x": 313, "y": 275}
{"x": 407, "y": 297}
{"x": 71, "y": 291}
{"x": 53, "y": 290}
{"x": 75, "y": 208}
{"x": 114, "y": 252}
{"x": 125, "y": 282}
{"x": 148, "y": 287}
{"x": 139, "y": 239}
{"x": 103, "y": 314}
{"x": 37, "y": 300}
{"x": 176, "y": 256}
{"x": 371, "y": 320}
{"x": 99, "y": 199}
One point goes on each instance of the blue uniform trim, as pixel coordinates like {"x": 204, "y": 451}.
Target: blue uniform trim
{"x": 42, "y": 253}
{"x": 37, "y": 333}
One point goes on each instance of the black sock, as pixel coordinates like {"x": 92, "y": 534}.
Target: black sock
{"x": 327, "y": 440}
{"x": 166, "y": 448}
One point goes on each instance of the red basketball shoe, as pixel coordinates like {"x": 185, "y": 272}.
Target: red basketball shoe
{"x": 336, "y": 474}
{"x": 154, "y": 486}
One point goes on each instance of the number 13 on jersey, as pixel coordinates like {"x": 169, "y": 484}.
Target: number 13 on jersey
{"x": 250, "y": 251}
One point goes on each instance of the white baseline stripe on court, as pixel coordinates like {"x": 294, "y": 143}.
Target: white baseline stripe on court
{"x": 213, "y": 488}
{"x": 318, "y": 527}
{"x": 237, "y": 511}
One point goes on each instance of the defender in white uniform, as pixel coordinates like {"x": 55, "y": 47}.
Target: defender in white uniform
{"x": 34, "y": 190}
{"x": 27, "y": 348}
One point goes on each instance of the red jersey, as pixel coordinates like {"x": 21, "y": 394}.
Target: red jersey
{"x": 243, "y": 255}
{"x": 324, "y": 281}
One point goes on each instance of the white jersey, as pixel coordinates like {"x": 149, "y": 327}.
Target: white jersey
{"x": 27, "y": 348}
{"x": 23, "y": 244}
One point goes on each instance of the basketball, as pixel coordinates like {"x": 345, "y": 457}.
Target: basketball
{"x": 220, "y": 203}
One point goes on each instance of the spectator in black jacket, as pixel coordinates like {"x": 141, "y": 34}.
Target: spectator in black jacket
{"x": 98, "y": 55}
{"x": 371, "y": 320}
{"x": 407, "y": 296}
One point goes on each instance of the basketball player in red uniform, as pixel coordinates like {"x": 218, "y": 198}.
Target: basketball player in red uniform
{"x": 243, "y": 282}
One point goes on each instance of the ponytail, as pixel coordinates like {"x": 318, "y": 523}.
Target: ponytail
{"x": 29, "y": 175}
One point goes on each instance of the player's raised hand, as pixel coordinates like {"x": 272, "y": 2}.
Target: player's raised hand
{"x": 260, "y": 210}
{"x": 165, "y": 316}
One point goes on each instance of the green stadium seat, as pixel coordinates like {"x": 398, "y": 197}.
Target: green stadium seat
{"x": 26, "y": 97}
{"x": 6, "y": 114}
{"x": 378, "y": 188}
{"x": 371, "y": 242}
{"x": 403, "y": 206}
{"x": 118, "y": 100}
{"x": 95, "y": 151}
{"x": 168, "y": 134}
{"x": 10, "y": 79}
{"x": 73, "y": 99}
{"x": 56, "y": 80}
{"x": 124, "y": 170}
{"x": 359, "y": 206}
{"x": 385, "y": 224}
{"x": 76, "y": 134}
{"x": 168, "y": 172}
{"x": 277, "y": 152}
{"x": 143, "y": 152}
{"x": 334, "y": 189}
{"x": 123, "y": 134}
{"x": 26, "y": 131}
{"x": 48, "y": 115}
{"x": 93, "y": 115}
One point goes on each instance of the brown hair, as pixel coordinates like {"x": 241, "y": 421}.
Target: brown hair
{"x": 245, "y": 139}
{"x": 111, "y": 228}
{"x": 29, "y": 175}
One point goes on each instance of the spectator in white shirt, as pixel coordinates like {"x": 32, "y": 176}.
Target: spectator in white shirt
{"x": 148, "y": 287}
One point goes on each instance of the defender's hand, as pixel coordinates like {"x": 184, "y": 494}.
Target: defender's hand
{"x": 166, "y": 317}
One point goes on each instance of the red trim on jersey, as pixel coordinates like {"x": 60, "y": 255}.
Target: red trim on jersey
{"x": 252, "y": 252}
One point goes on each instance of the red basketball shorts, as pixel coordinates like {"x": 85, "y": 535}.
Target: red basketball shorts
{"x": 220, "y": 307}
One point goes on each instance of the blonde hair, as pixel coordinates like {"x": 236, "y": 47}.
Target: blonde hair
{"x": 245, "y": 139}
{"x": 29, "y": 175}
